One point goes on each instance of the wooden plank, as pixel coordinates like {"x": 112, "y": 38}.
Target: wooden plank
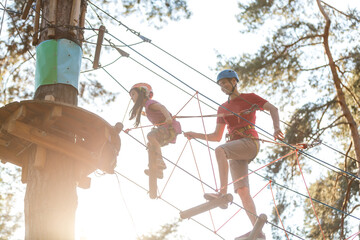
{"x": 75, "y": 15}
{"x": 98, "y": 46}
{"x": 4, "y": 143}
{"x": 50, "y": 141}
{"x": 40, "y": 157}
{"x": 8, "y": 156}
{"x": 26, "y": 9}
{"x": 36, "y": 22}
{"x": 257, "y": 227}
{"x": 18, "y": 114}
{"x": 52, "y": 18}
{"x": 206, "y": 206}
{"x": 51, "y": 116}
{"x": 24, "y": 169}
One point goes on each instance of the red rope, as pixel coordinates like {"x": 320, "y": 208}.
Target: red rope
{"x": 292, "y": 152}
{"x": 184, "y": 105}
{"x": 197, "y": 167}
{"x": 207, "y": 142}
{"x": 277, "y": 212}
{"x": 240, "y": 209}
{"x": 312, "y": 204}
{"x": 353, "y": 236}
{"x": 173, "y": 169}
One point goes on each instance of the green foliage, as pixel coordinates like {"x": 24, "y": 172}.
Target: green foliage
{"x": 9, "y": 216}
{"x": 167, "y": 231}
{"x": 157, "y": 12}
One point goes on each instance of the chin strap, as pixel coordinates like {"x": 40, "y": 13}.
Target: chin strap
{"x": 232, "y": 91}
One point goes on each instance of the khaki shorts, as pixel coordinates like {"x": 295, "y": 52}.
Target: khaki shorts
{"x": 240, "y": 153}
{"x": 164, "y": 135}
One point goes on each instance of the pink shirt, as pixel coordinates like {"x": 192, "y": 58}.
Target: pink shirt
{"x": 156, "y": 117}
{"x": 237, "y": 105}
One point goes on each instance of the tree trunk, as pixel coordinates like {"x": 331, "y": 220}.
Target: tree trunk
{"x": 340, "y": 94}
{"x": 51, "y": 198}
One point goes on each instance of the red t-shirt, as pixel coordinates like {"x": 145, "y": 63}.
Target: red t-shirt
{"x": 237, "y": 105}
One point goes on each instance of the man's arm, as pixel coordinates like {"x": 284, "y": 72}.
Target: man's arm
{"x": 215, "y": 136}
{"x": 275, "y": 118}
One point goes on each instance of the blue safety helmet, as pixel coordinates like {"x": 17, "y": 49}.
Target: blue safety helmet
{"x": 228, "y": 73}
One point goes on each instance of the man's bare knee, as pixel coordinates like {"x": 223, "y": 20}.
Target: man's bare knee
{"x": 243, "y": 192}
{"x": 220, "y": 152}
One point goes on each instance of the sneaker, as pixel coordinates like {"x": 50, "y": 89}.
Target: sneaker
{"x": 212, "y": 196}
{"x": 159, "y": 173}
{"x": 246, "y": 237}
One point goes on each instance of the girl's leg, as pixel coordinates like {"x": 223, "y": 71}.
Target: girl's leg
{"x": 154, "y": 150}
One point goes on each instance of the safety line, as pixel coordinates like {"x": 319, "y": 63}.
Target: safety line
{"x": 320, "y": 160}
{"x": 312, "y": 204}
{"x": 347, "y": 214}
{"x": 277, "y": 211}
{"x": 221, "y": 105}
{"x": 330, "y": 147}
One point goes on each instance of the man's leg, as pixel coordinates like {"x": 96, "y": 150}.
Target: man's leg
{"x": 248, "y": 203}
{"x": 223, "y": 166}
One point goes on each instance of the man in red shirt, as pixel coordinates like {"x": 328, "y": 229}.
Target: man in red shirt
{"x": 242, "y": 144}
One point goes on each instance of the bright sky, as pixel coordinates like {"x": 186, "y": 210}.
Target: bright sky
{"x": 121, "y": 210}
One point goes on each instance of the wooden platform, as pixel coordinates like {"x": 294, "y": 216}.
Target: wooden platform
{"x": 63, "y": 128}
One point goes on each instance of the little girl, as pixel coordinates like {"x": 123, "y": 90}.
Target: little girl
{"x": 165, "y": 127}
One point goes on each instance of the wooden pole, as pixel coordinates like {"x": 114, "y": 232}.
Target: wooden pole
{"x": 26, "y": 10}
{"x": 52, "y": 18}
{"x": 51, "y": 176}
{"x": 98, "y": 46}
{"x": 75, "y": 15}
{"x": 36, "y": 22}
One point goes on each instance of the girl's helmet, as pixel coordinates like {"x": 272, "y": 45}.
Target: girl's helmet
{"x": 144, "y": 87}
{"x": 228, "y": 73}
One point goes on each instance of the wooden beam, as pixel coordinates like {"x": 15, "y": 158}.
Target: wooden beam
{"x": 206, "y": 206}
{"x": 24, "y": 169}
{"x": 40, "y": 157}
{"x": 4, "y": 143}
{"x": 51, "y": 141}
{"x": 82, "y": 20}
{"x": 8, "y": 156}
{"x": 75, "y": 15}
{"x": 98, "y": 46}
{"x": 36, "y": 22}
{"x": 18, "y": 114}
{"x": 52, "y": 18}
{"x": 26, "y": 9}
{"x": 51, "y": 116}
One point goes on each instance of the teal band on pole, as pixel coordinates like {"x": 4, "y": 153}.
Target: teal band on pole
{"x": 58, "y": 61}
